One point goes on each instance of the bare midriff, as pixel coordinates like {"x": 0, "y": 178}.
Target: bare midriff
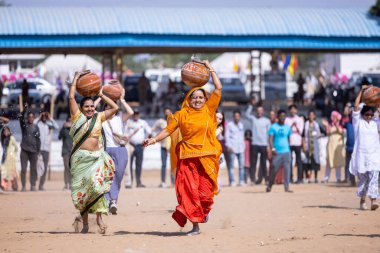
{"x": 91, "y": 144}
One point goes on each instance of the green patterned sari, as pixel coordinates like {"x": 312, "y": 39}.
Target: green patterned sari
{"x": 92, "y": 171}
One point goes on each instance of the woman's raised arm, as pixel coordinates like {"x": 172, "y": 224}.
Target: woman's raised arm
{"x": 114, "y": 107}
{"x": 215, "y": 79}
{"x": 72, "y": 103}
{"x": 359, "y": 98}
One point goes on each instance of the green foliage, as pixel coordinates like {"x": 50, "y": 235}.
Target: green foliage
{"x": 131, "y": 63}
{"x": 375, "y": 9}
{"x": 4, "y": 4}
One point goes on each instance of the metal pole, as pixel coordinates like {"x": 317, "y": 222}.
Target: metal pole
{"x": 260, "y": 77}
{"x": 111, "y": 63}
{"x": 103, "y": 67}
{"x": 251, "y": 73}
{"x": 52, "y": 102}
{"x": 119, "y": 65}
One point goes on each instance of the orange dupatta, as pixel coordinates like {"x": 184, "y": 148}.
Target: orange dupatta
{"x": 193, "y": 135}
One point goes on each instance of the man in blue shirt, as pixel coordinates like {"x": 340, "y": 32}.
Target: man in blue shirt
{"x": 279, "y": 135}
{"x": 350, "y": 141}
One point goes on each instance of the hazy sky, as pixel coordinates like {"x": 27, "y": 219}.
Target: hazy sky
{"x": 200, "y": 3}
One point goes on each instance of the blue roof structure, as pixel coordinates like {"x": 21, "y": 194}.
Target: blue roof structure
{"x": 218, "y": 28}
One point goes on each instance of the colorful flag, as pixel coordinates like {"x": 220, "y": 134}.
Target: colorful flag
{"x": 287, "y": 61}
{"x": 291, "y": 64}
{"x": 236, "y": 66}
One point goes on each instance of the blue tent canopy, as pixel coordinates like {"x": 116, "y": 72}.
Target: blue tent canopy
{"x": 178, "y": 29}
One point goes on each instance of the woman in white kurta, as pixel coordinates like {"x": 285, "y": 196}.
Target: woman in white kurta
{"x": 365, "y": 162}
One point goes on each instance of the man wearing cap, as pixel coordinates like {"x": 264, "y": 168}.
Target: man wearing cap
{"x": 138, "y": 130}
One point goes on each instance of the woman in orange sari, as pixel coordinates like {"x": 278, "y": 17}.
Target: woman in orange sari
{"x": 197, "y": 154}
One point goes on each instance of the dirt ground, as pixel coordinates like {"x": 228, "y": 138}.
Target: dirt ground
{"x": 315, "y": 218}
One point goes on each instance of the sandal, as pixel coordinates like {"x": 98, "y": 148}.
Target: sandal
{"x": 102, "y": 229}
{"x": 363, "y": 205}
{"x": 374, "y": 205}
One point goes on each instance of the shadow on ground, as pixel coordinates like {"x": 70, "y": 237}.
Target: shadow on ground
{"x": 340, "y": 185}
{"x": 357, "y": 235}
{"x": 49, "y": 232}
{"x": 155, "y": 233}
{"x": 255, "y": 192}
{"x": 331, "y": 207}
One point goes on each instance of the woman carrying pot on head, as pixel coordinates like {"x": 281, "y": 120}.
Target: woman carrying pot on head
{"x": 92, "y": 169}
{"x": 365, "y": 162}
{"x": 198, "y": 153}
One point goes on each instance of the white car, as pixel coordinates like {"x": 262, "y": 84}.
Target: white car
{"x": 40, "y": 91}
{"x": 158, "y": 77}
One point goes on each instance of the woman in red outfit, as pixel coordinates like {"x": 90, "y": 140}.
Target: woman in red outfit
{"x": 197, "y": 154}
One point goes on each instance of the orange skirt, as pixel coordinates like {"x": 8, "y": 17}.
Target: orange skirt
{"x": 194, "y": 190}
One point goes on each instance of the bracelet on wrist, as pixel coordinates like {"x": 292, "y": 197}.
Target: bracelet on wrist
{"x": 154, "y": 140}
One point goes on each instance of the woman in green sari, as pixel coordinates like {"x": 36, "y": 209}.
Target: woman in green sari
{"x": 92, "y": 169}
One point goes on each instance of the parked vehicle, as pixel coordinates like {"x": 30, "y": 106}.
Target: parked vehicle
{"x": 158, "y": 77}
{"x": 233, "y": 88}
{"x": 131, "y": 83}
{"x": 40, "y": 91}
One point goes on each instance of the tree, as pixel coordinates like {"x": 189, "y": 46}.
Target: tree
{"x": 4, "y": 4}
{"x": 375, "y": 9}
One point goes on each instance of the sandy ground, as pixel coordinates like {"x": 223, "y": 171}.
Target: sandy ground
{"x": 315, "y": 218}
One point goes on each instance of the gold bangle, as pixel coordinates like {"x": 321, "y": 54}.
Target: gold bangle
{"x": 211, "y": 70}
{"x": 154, "y": 140}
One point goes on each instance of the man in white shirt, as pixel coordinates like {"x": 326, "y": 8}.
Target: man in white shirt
{"x": 235, "y": 147}
{"x": 115, "y": 147}
{"x": 296, "y": 123}
{"x": 45, "y": 123}
{"x": 259, "y": 144}
{"x": 158, "y": 126}
{"x": 139, "y": 130}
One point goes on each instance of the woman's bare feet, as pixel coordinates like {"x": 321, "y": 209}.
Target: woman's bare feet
{"x": 85, "y": 227}
{"x": 102, "y": 227}
{"x": 195, "y": 231}
{"x": 77, "y": 220}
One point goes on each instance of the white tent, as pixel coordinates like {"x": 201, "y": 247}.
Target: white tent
{"x": 350, "y": 63}
{"x": 229, "y": 62}
{"x": 65, "y": 66}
